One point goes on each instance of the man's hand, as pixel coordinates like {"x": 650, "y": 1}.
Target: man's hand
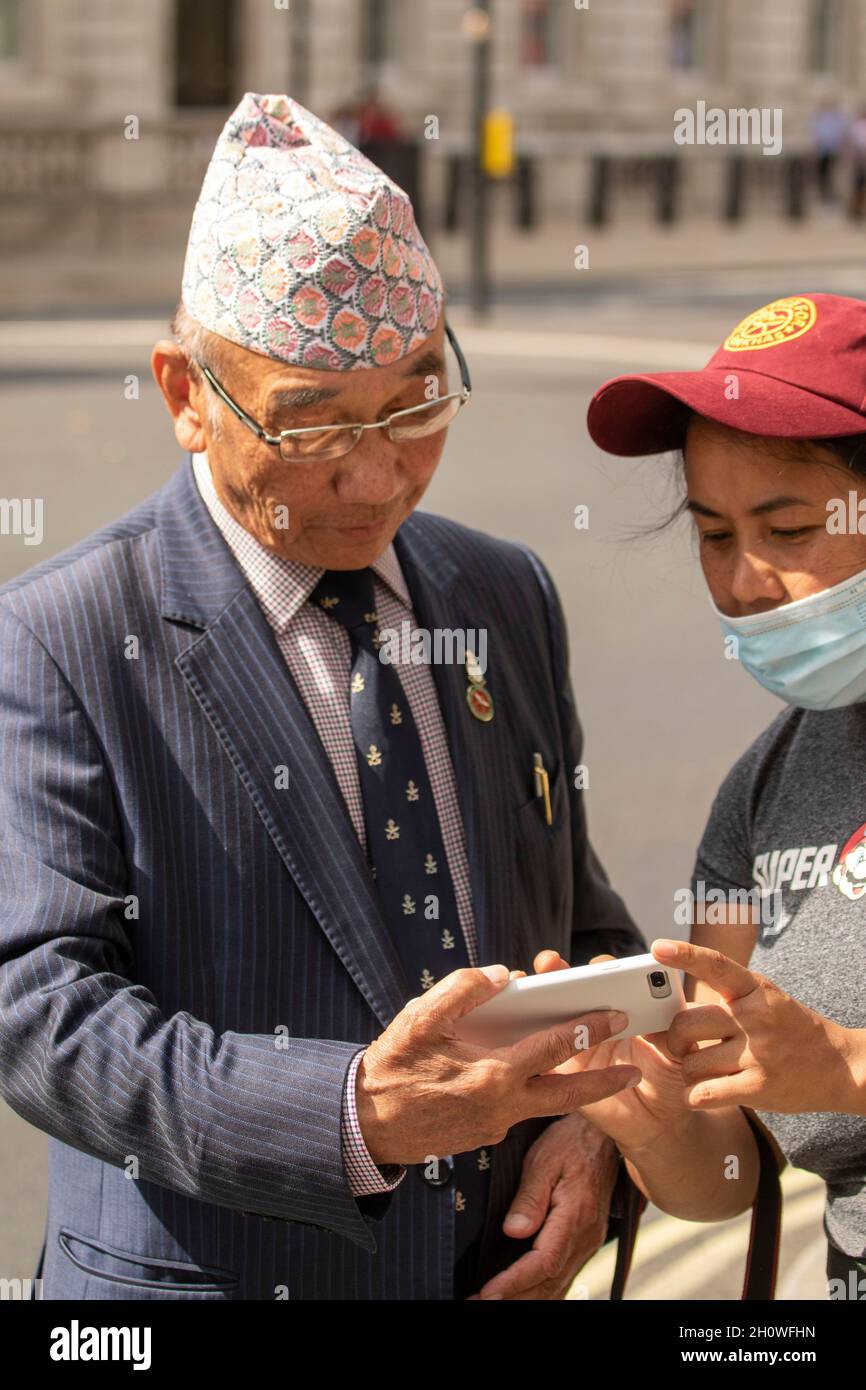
{"x": 421, "y": 1091}
{"x": 565, "y": 1189}
{"x": 564, "y": 1196}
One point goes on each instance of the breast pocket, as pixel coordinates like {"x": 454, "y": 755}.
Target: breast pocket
{"x": 545, "y": 871}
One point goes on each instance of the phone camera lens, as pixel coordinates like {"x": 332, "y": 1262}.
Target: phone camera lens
{"x": 658, "y": 979}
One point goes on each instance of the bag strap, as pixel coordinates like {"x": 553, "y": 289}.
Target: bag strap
{"x": 762, "y": 1261}
{"x": 634, "y": 1204}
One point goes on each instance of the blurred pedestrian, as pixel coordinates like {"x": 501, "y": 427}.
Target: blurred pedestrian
{"x": 857, "y": 154}
{"x": 377, "y": 123}
{"x": 829, "y": 131}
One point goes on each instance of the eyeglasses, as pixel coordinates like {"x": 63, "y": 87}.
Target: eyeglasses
{"x": 315, "y": 442}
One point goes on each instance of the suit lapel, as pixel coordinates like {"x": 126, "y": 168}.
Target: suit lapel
{"x": 478, "y": 750}
{"x": 237, "y": 674}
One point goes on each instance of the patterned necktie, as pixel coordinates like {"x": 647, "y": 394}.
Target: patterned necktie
{"x": 404, "y": 840}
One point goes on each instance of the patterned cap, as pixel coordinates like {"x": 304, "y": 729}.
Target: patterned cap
{"x": 303, "y": 250}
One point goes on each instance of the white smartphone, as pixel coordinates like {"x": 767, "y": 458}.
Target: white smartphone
{"x": 649, "y": 993}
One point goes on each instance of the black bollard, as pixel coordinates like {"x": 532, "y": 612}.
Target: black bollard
{"x": 599, "y": 190}
{"x": 453, "y": 185}
{"x": 666, "y": 179}
{"x": 735, "y": 188}
{"x": 795, "y": 181}
{"x": 524, "y": 188}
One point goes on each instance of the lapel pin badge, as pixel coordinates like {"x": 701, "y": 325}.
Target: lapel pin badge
{"x": 478, "y": 697}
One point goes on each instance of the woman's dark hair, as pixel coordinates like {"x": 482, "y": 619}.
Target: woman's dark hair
{"x": 850, "y": 450}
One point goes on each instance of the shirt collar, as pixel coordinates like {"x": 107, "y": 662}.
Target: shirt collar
{"x": 282, "y": 586}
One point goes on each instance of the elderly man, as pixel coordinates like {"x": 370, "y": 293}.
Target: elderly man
{"x": 251, "y": 873}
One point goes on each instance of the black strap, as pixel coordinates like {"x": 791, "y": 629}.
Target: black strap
{"x": 763, "y": 1257}
{"x": 633, "y": 1206}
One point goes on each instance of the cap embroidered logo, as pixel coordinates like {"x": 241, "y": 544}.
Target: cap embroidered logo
{"x": 776, "y": 323}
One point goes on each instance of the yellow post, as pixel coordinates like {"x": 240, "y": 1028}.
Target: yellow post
{"x": 499, "y": 144}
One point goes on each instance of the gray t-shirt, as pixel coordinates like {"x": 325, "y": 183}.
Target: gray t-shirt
{"x": 790, "y": 819}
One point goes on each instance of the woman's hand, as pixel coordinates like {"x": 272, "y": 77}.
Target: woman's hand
{"x": 656, "y": 1105}
{"x": 676, "y": 1155}
{"x": 770, "y": 1052}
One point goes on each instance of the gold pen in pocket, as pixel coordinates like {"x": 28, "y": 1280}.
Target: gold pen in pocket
{"x": 542, "y": 785}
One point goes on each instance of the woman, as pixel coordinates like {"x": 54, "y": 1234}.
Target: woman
{"x": 773, "y": 439}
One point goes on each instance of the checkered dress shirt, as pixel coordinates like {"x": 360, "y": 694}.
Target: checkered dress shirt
{"x": 318, "y": 654}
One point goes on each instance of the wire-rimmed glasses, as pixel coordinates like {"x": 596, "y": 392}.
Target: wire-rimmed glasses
{"x": 311, "y": 443}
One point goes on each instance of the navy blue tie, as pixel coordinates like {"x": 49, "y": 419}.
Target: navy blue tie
{"x": 404, "y": 841}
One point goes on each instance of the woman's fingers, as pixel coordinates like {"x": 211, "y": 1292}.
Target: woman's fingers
{"x": 724, "y": 1059}
{"x": 728, "y": 978}
{"x": 546, "y": 961}
{"x": 706, "y": 1022}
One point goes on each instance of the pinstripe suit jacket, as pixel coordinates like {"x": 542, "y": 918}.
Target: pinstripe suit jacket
{"x": 167, "y": 911}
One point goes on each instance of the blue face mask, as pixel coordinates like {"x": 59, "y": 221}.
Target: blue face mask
{"x": 811, "y": 652}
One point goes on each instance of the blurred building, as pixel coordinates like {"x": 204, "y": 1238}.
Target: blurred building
{"x": 73, "y": 73}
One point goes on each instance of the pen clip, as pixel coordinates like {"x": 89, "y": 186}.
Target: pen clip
{"x": 542, "y": 785}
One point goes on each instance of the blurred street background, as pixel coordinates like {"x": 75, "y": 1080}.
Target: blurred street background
{"x": 577, "y": 240}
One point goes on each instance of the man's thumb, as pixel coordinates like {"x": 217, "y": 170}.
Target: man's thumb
{"x": 463, "y": 990}
{"x": 529, "y": 1209}
{"x": 496, "y": 973}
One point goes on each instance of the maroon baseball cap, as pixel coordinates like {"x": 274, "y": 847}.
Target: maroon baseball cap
{"x": 794, "y": 369}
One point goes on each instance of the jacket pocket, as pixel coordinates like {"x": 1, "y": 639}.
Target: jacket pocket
{"x": 144, "y": 1271}
{"x": 544, "y": 862}
{"x": 530, "y": 815}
